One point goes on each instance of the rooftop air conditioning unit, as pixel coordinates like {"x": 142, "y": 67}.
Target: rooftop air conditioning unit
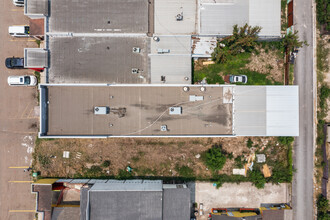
{"x": 101, "y": 110}
{"x": 136, "y": 50}
{"x": 135, "y": 71}
{"x": 175, "y": 110}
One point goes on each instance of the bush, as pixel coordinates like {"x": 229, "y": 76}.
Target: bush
{"x": 322, "y": 207}
{"x": 214, "y": 158}
{"x": 249, "y": 143}
{"x": 285, "y": 140}
{"x": 223, "y": 178}
{"x": 257, "y": 178}
{"x": 106, "y": 163}
{"x": 94, "y": 171}
{"x": 239, "y": 162}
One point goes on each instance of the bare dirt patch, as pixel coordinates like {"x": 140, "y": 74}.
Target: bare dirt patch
{"x": 267, "y": 62}
{"x": 148, "y": 157}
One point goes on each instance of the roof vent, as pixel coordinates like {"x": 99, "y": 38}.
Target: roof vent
{"x": 135, "y": 71}
{"x": 179, "y": 17}
{"x": 136, "y": 50}
{"x": 163, "y": 128}
{"x": 163, "y": 79}
{"x": 156, "y": 38}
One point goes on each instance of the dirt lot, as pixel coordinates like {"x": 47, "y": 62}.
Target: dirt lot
{"x": 267, "y": 62}
{"x": 148, "y": 157}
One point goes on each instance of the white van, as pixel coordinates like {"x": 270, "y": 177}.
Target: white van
{"x": 19, "y": 3}
{"x": 22, "y": 80}
{"x": 19, "y": 31}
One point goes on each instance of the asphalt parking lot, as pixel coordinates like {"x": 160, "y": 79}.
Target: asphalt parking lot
{"x": 17, "y": 123}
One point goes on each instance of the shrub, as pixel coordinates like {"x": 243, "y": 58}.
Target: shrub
{"x": 322, "y": 207}
{"x": 239, "y": 162}
{"x": 285, "y": 140}
{"x": 106, "y": 163}
{"x": 214, "y": 158}
{"x": 249, "y": 143}
{"x": 257, "y": 178}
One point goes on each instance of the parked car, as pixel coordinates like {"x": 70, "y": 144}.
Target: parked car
{"x": 14, "y": 63}
{"x": 19, "y": 31}
{"x": 19, "y": 3}
{"x": 22, "y": 80}
{"x": 238, "y": 79}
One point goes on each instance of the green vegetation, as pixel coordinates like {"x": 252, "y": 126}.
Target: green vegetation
{"x": 285, "y": 140}
{"x": 284, "y": 23}
{"x": 215, "y": 158}
{"x": 291, "y": 41}
{"x": 233, "y": 53}
{"x": 323, "y": 13}
{"x": 257, "y": 178}
{"x": 249, "y": 143}
{"x": 38, "y": 42}
{"x": 239, "y": 162}
{"x": 243, "y": 40}
{"x": 322, "y": 208}
{"x": 184, "y": 171}
{"x": 106, "y": 163}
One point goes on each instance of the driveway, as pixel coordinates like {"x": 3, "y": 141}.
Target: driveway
{"x": 17, "y": 120}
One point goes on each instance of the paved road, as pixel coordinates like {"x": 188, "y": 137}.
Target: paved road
{"x": 302, "y": 189}
{"x": 16, "y": 118}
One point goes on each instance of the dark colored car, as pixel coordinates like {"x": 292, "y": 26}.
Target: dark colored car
{"x": 15, "y": 63}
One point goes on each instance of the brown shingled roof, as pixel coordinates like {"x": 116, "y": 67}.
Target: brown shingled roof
{"x": 37, "y": 27}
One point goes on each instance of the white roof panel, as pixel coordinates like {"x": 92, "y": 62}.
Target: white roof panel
{"x": 165, "y": 16}
{"x": 266, "y": 14}
{"x": 266, "y": 111}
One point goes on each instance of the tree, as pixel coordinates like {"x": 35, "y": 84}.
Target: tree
{"x": 291, "y": 41}
{"x": 243, "y": 40}
{"x": 215, "y": 158}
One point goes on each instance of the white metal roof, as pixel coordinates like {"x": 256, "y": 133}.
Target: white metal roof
{"x": 266, "y": 14}
{"x": 266, "y": 111}
{"x": 165, "y": 16}
{"x": 220, "y": 17}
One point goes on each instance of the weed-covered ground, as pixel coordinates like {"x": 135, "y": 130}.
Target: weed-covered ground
{"x": 152, "y": 158}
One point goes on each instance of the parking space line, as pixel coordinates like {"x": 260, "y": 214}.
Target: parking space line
{"x": 23, "y": 181}
{"x": 25, "y": 110}
{"x": 21, "y": 9}
{"x": 22, "y": 210}
{"x": 18, "y": 167}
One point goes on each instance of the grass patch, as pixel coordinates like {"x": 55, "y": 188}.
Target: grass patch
{"x": 184, "y": 171}
{"x": 284, "y": 22}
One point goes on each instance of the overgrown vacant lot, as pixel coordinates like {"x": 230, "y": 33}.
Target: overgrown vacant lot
{"x": 264, "y": 66}
{"x": 151, "y": 158}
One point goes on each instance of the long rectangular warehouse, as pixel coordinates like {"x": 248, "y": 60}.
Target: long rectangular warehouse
{"x": 104, "y": 110}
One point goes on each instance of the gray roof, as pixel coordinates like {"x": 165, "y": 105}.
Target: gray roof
{"x": 134, "y": 200}
{"x": 176, "y": 205}
{"x": 266, "y": 110}
{"x": 165, "y": 17}
{"x": 176, "y": 69}
{"x": 175, "y": 63}
{"x": 66, "y": 213}
{"x": 265, "y": 14}
{"x": 70, "y": 110}
{"x": 94, "y": 16}
{"x": 35, "y": 58}
{"x": 98, "y": 60}
{"x": 36, "y": 7}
